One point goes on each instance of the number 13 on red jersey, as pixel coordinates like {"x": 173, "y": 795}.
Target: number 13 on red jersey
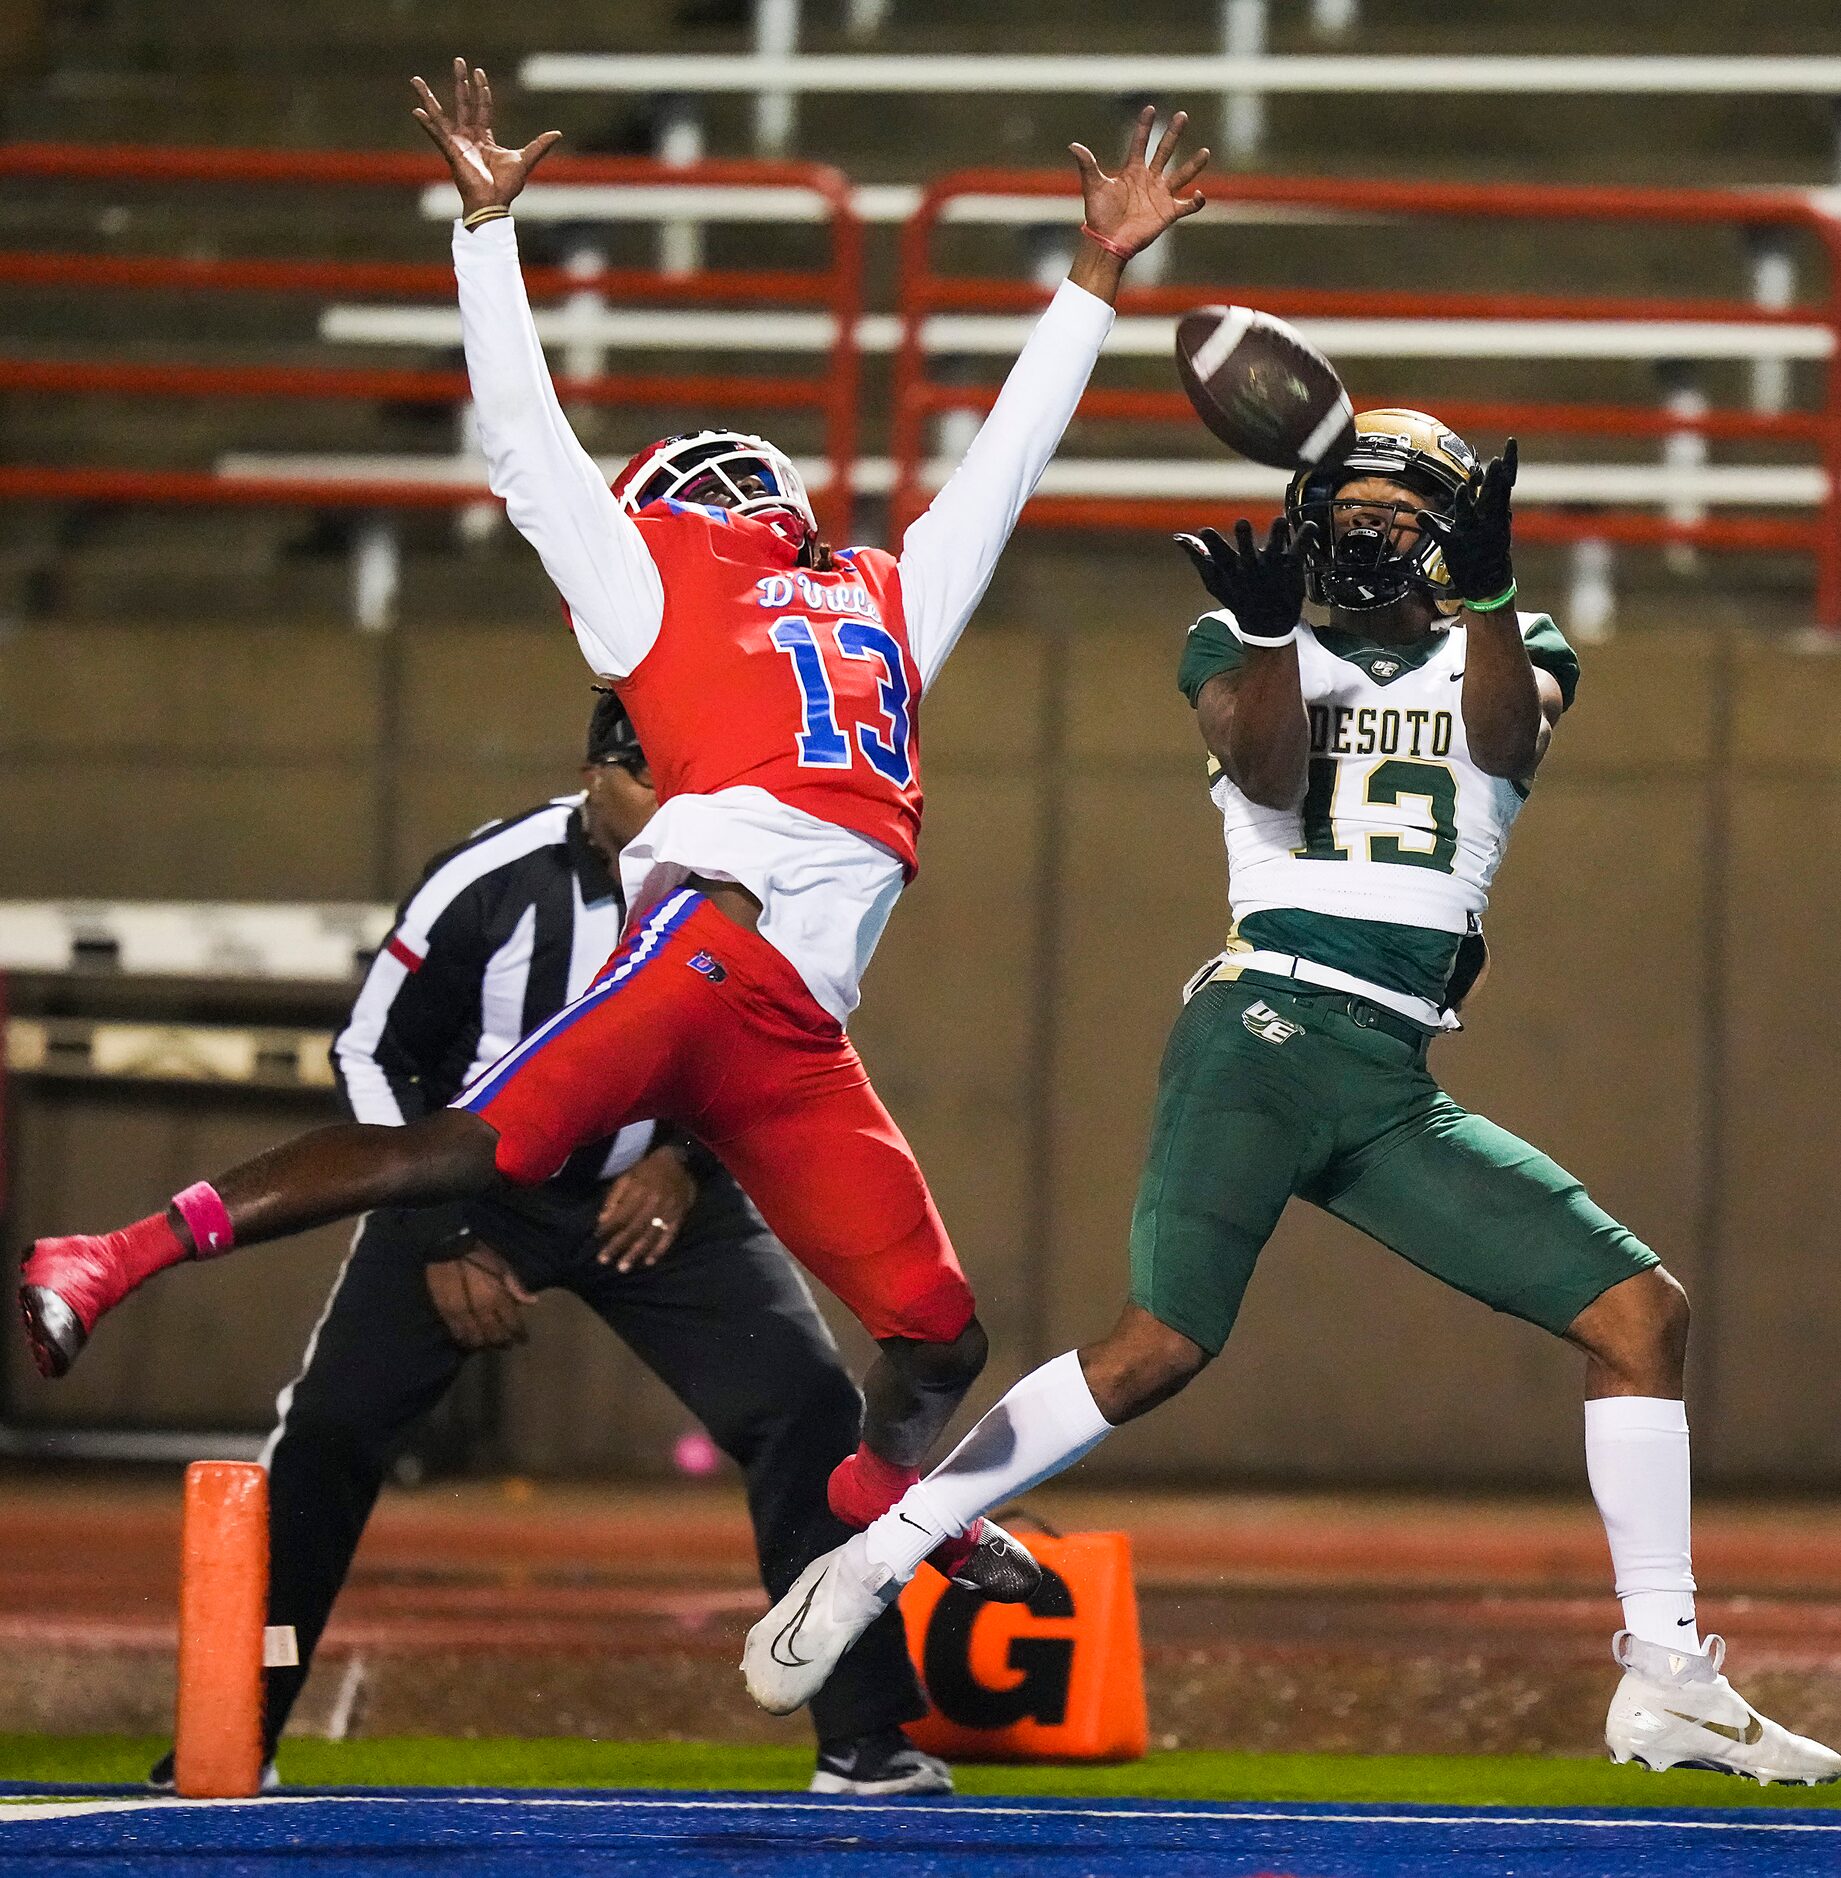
{"x": 822, "y": 742}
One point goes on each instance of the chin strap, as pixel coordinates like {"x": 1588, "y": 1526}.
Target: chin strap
{"x": 1372, "y": 605}
{"x": 796, "y": 530}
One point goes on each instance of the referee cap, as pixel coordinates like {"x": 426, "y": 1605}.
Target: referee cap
{"x": 611, "y": 736}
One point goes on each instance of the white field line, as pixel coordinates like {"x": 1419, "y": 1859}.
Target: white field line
{"x": 84, "y": 1808}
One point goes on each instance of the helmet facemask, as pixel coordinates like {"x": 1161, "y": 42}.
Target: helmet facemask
{"x": 1384, "y": 556}
{"x": 725, "y": 469}
{"x": 1369, "y": 553}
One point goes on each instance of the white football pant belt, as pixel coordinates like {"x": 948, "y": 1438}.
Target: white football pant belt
{"x": 1229, "y": 965}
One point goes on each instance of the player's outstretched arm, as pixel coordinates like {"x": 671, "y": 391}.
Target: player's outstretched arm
{"x": 553, "y": 491}
{"x": 1125, "y": 213}
{"x": 1252, "y": 717}
{"x": 488, "y": 174}
{"x": 1509, "y": 707}
{"x": 950, "y": 553}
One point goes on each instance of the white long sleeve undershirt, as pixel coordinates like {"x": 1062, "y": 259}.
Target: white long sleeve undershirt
{"x": 951, "y": 551}
{"x": 552, "y": 489}
{"x": 559, "y": 501}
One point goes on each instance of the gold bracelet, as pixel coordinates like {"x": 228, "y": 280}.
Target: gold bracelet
{"x": 492, "y": 212}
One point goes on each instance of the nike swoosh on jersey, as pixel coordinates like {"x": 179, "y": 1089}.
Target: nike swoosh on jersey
{"x": 906, "y": 1521}
{"x": 789, "y": 1631}
{"x": 1747, "y": 1737}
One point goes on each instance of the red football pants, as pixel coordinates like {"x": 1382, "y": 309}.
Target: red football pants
{"x": 695, "y": 1020}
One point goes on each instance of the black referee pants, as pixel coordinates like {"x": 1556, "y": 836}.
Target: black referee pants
{"x": 725, "y": 1322}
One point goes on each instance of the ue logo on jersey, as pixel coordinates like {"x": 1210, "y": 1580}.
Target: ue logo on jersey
{"x": 702, "y": 962}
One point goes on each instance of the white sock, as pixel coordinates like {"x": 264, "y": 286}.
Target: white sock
{"x": 1636, "y": 1456}
{"x": 1046, "y": 1423}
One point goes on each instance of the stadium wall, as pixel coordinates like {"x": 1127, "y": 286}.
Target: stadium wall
{"x": 1659, "y": 1014}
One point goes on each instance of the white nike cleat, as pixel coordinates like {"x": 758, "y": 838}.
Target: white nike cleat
{"x": 1674, "y": 1710}
{"x": 792, "y": 1651}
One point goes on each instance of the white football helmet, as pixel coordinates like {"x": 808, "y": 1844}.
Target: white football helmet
{"x": 717, "y": 467}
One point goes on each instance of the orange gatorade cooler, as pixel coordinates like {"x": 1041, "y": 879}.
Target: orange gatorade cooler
{"x": 1058, "y": 1679}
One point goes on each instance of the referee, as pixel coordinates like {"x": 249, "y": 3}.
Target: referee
{"x": 648, "y": 1231}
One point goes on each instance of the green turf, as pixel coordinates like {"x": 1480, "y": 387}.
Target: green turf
{"x": 413, "y": 1761}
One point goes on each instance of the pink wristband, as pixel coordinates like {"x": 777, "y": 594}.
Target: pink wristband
{"x": 207, "y": 1219}
{"x": 1111, "y": 247}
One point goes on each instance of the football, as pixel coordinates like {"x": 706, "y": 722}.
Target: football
{"x": 1263, "y": 388}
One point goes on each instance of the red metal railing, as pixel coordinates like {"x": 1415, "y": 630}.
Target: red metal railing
{"x": 836, "y": 288}
{"x": 925, "y": 290}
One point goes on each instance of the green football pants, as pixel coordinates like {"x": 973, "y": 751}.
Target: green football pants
{"x": 1268, "y": 1090}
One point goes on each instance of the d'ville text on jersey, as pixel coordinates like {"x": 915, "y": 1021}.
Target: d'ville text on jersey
{"x": 818, "y": 596}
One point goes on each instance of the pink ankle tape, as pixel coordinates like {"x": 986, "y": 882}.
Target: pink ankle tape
{"x": 877, "y": 1476}
{"x": 865, "y": 1486}
{"x": 207, "y": 1219}
{"x": 146, "y": 1247}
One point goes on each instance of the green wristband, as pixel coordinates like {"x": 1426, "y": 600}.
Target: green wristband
{"x": 1491, "y": 606}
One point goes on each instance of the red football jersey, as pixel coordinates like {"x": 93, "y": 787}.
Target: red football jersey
{"x": 776, "y": 676}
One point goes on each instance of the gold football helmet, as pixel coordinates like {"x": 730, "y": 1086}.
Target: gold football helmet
{"x": 1360, "y": 568}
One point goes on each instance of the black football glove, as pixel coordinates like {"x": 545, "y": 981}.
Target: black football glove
{"x": 1475, "y": 535}
{"x": 1262, "y": 587}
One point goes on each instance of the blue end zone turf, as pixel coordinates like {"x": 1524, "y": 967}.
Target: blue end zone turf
{"x": 485, "y": 1834}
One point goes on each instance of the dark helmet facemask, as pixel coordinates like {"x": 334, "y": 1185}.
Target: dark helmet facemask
{"x": 1363, "y": 569}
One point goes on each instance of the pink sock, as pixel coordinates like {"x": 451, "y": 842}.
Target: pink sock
{"x": 207, "y": 1220}
{"x": 865, "y": 1486}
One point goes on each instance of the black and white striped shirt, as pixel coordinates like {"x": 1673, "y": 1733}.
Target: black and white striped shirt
{"x": 503, "y": 931}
